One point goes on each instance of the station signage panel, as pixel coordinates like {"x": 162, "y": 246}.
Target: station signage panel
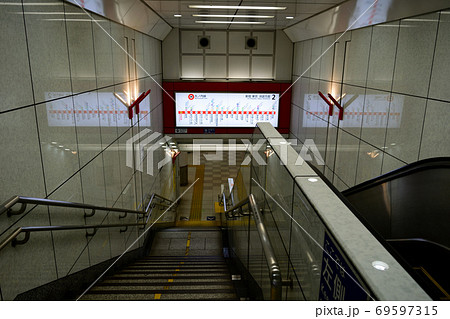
{"x": 195, "y": 109}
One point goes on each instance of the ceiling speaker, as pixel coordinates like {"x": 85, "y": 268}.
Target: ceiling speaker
{"x": 203, "y": 42}
{"x": 251, "y": 43}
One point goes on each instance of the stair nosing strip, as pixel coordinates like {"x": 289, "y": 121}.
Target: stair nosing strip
{"x": 160, "y": 291}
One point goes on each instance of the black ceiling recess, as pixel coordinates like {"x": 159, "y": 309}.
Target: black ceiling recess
{"x": 203, "y": 42}
{"x": 251, "y": 43}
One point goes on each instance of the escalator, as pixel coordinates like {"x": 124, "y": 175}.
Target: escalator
{"x": 408, "y": 210}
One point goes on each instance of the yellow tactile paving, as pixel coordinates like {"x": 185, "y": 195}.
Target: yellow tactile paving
{"x": 197, "y": 197}
{"x": 218, "y": 208}
{"x": 242, "y": 192}
{"x": 188, "y": 243}
{"x": 188, "y": 223}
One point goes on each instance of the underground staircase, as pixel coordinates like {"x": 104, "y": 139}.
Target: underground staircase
{"x": 183, "y": 264}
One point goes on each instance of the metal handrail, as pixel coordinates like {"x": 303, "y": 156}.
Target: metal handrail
{"x": 12, "y": 238}
{"x": 276, "y": 281}
{"x": 8, "y": 205}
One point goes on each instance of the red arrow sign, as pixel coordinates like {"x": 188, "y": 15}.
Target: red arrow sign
{"x": 330, "y": 111}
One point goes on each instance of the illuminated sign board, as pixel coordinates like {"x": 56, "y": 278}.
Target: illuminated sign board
{"x": 226, "y": 109}
{"x": 91, "y": 109}
{"x": 372, "y": 110}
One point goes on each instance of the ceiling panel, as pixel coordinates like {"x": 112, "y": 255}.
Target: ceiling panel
{"x": 299, "y": 10}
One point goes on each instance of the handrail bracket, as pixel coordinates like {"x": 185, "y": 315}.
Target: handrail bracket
{"x": 89, "y": 215}
{"x": 15, "y": 242}
{"x": 10, "y": 212}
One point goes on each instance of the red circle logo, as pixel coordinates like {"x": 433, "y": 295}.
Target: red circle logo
{"x": 191, "y": 96}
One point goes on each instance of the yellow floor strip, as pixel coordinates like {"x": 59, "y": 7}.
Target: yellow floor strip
{"x": 197, "y": 196}
{"x": 188, "y": 243}
{"x": 211, "y": 223}
{"x": 242, "y": 192}
{"x": 218, "y": 208}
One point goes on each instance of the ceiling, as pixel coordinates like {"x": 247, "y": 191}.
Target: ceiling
{"x": 299, "y": 9}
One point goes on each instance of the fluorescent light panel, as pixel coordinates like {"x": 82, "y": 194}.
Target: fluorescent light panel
{"x": 233, "y": 22}
{"x": 231, "y": 16}
{"x": 235, "y": 7}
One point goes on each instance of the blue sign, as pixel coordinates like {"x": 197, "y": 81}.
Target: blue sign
{"x": 337, "y": 280}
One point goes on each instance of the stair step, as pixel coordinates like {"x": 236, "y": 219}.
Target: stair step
{"x": 162, "y": 287}
{"x": 183, "y": 266}
{"x": 172, "y": 275}
{"x": 148, "y": 297}
{"x": 161, "y": 291}
{"x": 183, "y": 258}
{"x": 161, "y": 276}
{"x": 174, "y": 270}
{"x": 176, "y": 279}
{"x": 182, "y": 262}
{"x": 164, "y": 283}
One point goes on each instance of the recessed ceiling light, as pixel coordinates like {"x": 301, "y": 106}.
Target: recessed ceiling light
{"x": 235, "y": 7}
{"x": 231, "y": 16}
{"x": 177, "y": 15}
{"x": 380, "y": 265}
{"x": 54, "y": 143}
{"x": 313, "y": 180}
{"x": 289, "y": 18}
{"x": 233, "y": 22}
{"x": 61, "y": 146}
{"x": 67, "y": 149}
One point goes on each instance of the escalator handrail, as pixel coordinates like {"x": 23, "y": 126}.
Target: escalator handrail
{"x": 422, "y": 240}
{"x": 276, "y": 281}
{"x": 28, "y": 229}
{"x": 429, "y": 163}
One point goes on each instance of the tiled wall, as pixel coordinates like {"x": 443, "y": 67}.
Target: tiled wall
{"x": 55, "y": 58}
{"x": 393, "y": 81}
{"x": 227, "y": 56}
